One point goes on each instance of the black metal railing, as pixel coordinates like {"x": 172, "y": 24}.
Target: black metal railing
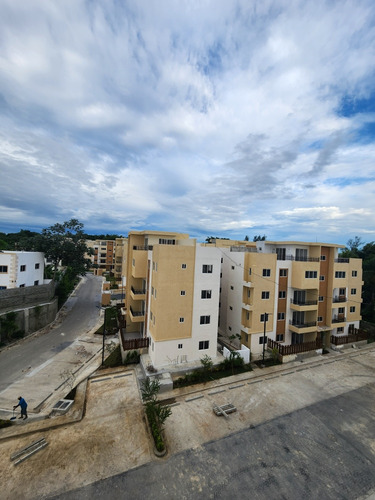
{"x": 298, "y": 259}
{"x": 298, "y": 324}
{"x": 137, "y": 292}
{"x": 339, "y": 298}
{"x": 342, "y": 260}
{"x": 136, "y": 313}
{"x": 304, "y": 302}
{"x": 339, "y": 319}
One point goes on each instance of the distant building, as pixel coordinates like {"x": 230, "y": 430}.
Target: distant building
{"x": 104, "y": 254}
{"x": 21, "y": 269}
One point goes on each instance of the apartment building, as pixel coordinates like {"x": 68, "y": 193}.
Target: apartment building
{"x": 104, "y": 254}
{"x": 21, "y": 269}
{"x": 295, "y": 292}
{"x": 121, "y": 253}
{"x": 172, "y": 295}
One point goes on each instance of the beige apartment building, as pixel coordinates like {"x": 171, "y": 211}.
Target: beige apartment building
{"x": 103, "y": 257}
{"x": 296, "y": 292}
{"x": 172, "y": 296}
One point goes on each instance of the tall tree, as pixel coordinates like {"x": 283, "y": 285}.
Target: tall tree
{"x": 65, "y": 243}
{"x": 258, "y": 237}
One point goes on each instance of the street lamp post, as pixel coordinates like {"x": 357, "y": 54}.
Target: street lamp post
{"x": 264, "y": 335}
{"x": 104, "y": 332}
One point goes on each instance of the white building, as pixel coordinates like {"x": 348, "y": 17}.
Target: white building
{"x": 21, "y": 269}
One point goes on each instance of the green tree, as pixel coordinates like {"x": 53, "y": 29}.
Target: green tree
{"x": 65, "y": 243}
{"x": 258, "y": 237}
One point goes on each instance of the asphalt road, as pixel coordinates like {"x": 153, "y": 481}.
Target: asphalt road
{"x": 82, "y": 308}
{"x": 325, "y": 450}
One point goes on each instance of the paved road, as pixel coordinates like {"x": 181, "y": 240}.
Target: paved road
{"x": 325, "y": 451}
{"x": 37, "y": 352}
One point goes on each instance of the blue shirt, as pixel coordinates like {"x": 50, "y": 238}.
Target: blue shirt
{"x": 23, "y": 404}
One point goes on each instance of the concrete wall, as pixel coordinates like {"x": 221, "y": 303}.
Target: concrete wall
{"x": 19, "y": 298}
{"x": 31, "y": 319}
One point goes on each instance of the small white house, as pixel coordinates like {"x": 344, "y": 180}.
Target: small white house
{"x": 21, "y": 269}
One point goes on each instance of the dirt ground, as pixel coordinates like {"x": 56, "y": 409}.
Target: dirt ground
{"x": 112, "y": 436}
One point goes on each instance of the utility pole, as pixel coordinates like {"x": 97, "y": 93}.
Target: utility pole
{"x": 264, "y": 335}
{"x": 105, "y": 318}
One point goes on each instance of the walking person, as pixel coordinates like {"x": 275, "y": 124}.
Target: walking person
{"x": 22, "y": 403}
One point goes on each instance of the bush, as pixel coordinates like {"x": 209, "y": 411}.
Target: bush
{"x": 132, "y": 357}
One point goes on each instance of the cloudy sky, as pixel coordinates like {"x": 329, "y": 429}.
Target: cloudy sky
{"x": 211, "y": 117}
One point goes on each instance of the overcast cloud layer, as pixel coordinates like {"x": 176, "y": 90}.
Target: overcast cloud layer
{"x": 213, "y": 117}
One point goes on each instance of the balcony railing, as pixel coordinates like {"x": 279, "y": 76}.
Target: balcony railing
{"x": 304, "y": 302}
{"x": 298, "y": 324}
{"x": 136, "y": 313}
{"x": 137, "y": 292}
{"x": 339, "y": 319}
{"x": 342, "y": 260}
{"x": 298, "y": 259}
{"x": 147, "y": 247}
{"x": 339, "y": 298}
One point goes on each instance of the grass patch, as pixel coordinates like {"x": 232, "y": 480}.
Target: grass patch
{"x": 5, "y": 423}
{"x": 200, "y": 376}
{"x": 114, "y": 359}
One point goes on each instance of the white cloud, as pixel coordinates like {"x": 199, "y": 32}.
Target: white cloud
{"x": 201, "y": 116}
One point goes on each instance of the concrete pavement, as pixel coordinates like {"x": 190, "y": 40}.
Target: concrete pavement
{"x": 112, "y": 437}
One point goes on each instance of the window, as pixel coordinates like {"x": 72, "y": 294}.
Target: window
{"x": 3, "y": 287}
{"x": 204, "y": 344}
{"x": 280, "y": 316}
{"x": 231, "y": 288}
{"x": 163, "y": 241}
{"x": 183, "y": 266}
{"x": 180, "y": 346}
{"x": 3, "y": 269}
{"x": 265, "y": 295}
{"x": 205, "y": 320}
{"x": 262, "y": 340}
{"x": 320, "y": 319}
{"x": 321, "y": 298}
{"x": 221, "y": 275}
{"x": 23, "y": 268}
{"x": 301, "y": 254}
{"x": 207, "y": 268}
{"x": 182, "y": 320}
{"x": 221, "y": 260}
{"x": 206, "y": 294}
{"x": 352, "y": 309}
{"x": 321, "y": 278}
{"x": 354, "y": 274}
{"x": 232, "y": 268}
{"x": 311, "y": 274}
{"x": 248, "y": 293}
{"x": 183, "y": 292}
{"x": 37, "y": 265}
{"x": 155, "y": 293}
{"x": 151, "y": 315}
{"x": 322, "y": 257}
{"x": 353, "y": 291}
{"x": 247, "y": 315}
{"x": 153, "y": 264}
{"x": 340, "y": 329}
{"x": 152, "y": 291}
{"x": 283, "y": 273}
{"x": 340, "y": 274}
{"x": 266, "y": 272}
{"x": 230, "y": 328}
{"x": 341, "y": 310}
{"x": 262, "y": 318}
{"x": 282, "y": 294}
{"x": 280, "y": 337}
{"x": 23, "y": 285}
{"x": 342, "y": 291}
{"x": 231, "y": 308}
{"x": 250, "y": 271}
{"x": 36, "y": 283}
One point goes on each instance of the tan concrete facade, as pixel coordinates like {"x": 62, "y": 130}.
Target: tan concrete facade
{"x": 166, "y": 283}
{"x": 305, "y": 288}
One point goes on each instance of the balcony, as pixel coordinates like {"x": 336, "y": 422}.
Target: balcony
{"x": 339, "y": 318}
{"x": 139, "y": 294}
{"x": 246, "y": 306}
{"x": 136, "y": 316}
{"x": 298, "y": 259}
{"x": 303, "y": 305}
{"x": 339, "y": 299}
{"x": 302, "y": 327}
{"x": 342, "y": 260}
